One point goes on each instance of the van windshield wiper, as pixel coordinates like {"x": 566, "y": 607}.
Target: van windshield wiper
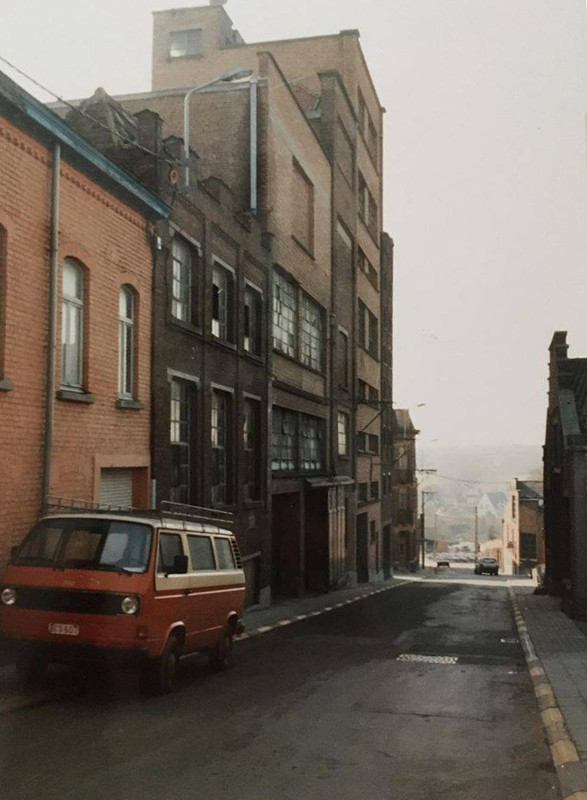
{"x": 113, "y": 568}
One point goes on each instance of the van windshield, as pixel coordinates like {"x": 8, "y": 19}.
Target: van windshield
{"x": 97, "y": 544}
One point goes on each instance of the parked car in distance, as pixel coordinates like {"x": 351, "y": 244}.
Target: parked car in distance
{"x": 488, "y": 565}
{"x": 443, "y": 562}
{"x": 137, "y": 587}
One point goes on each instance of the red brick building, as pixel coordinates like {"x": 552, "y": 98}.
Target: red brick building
{"x": 75, "y": 319}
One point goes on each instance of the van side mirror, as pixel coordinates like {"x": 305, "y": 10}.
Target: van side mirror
{"x": 180, "y": 565}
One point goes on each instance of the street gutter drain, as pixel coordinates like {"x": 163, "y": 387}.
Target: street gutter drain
{"x": 413, "y": 658}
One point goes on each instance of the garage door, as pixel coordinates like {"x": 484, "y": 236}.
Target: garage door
{"x": 116, "y": 487}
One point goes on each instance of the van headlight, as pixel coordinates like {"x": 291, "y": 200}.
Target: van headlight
{"x": 8, "y": 596}
{"x": 130, "y": 605}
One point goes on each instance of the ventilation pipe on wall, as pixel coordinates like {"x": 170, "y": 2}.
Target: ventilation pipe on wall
{"x": 254, "y": 104}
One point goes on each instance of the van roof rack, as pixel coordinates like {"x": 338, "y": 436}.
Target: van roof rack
{"x": 167, "y": 509}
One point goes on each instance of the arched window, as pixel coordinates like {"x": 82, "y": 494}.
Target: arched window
{"x": 72, "y": 326}
{"x": 126, "y": 342}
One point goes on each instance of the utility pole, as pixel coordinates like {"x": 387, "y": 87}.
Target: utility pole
{"x": 476, "y": 535}
{"x": 423, "y": 532}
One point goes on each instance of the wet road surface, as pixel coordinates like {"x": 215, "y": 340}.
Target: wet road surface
{"x": 321, "y": 709}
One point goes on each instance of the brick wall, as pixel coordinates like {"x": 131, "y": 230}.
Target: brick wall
{"x": 111, "y": 242}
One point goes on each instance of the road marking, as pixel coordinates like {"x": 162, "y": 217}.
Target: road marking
{"x": 419, "y": 659}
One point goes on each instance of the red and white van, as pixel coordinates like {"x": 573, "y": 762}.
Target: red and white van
{"x": 145, "y": 587}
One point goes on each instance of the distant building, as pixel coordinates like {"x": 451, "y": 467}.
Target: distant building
{"x": 405, "y": 491}
{"x": 523, "y": 528}
{"x": 490, "y": 513}
{"x": 565, "y": 478}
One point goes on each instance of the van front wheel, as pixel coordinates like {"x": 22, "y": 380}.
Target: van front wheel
{"x": 159, "y": 675}
{"x": 220, "y": 655}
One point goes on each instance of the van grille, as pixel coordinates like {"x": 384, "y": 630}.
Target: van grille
{"x": 236, "y": 553}
{"x": 72, "y": 601}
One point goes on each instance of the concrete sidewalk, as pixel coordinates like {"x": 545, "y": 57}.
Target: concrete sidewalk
{"x": 561, "y": 648}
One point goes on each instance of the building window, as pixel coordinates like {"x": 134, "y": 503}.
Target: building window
{"x": 527, "y": 545}
{"x": 126, "y": 342}
{"x": 285, "y": 309}
{"x": 72, "y": 326}
{"x": 252, "y": 449}
{"x": 363, "y": 493}
{"x": 374, "y": 490}
{"x": 367, "y": 268}
{"x": 184, "y": 306}
{"x": 222, "y": 303}
{"x": 343, "y": 434}
{"x": 284, "y": 440}
{"x": 311, "y": 443}
{"x": 368, "y": 393}
{"x": 186, "y": 43}
{"x": 302, "y": 208}
{"x": 180, "y": 436}
{"x": 219, "y": 430}
{"x": 343, "y": 359}
{"x": 253, "y": 334}
{"x": 368, "y": 330}
{"x": 368, "y": 210}
{"x": 312, "y": 334}
{"x": 346, "y": 155}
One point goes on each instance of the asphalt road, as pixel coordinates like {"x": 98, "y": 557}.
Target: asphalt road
{"x": 318, "y": 710}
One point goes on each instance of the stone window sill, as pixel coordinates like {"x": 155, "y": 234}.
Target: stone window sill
{"x": 71, "y": 396}
{"x": 5, "y": 386}
{"x": 127, "y": 403}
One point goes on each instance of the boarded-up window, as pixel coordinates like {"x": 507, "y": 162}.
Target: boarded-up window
{"x": 302, "y": 208}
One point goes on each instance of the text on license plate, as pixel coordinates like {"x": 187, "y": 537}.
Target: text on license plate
{"x": 64, "y": 629}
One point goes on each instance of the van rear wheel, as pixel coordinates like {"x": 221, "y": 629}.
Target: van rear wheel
{"x": 159, "y": 674}
{"x": 220, "y": 655}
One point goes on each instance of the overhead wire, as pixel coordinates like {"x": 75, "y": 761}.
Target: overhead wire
{"x": 89, "y": 117}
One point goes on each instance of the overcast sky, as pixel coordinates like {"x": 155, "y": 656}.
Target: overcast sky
{"x": 485, "y": 172}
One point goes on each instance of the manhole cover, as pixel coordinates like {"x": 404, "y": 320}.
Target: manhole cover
{"x": 418, "y": 659}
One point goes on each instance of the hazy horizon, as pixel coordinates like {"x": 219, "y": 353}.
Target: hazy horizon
{"x": 485, "y": 176}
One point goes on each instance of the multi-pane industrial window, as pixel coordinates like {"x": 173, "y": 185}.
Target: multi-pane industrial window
{"x": 253, "y": 334}
{"x": 180, "y": 435}
{"x": 374, "y": 490}
{"x": 285, "y": 310}
{"x": 368, "y": 330}
{"x": 302, "y": 208}
{"x": 367, "y": 442}
{"x": 126, "y": 340}
{"x": 220, "y": 434}
{"x": 343, "y": 433}
{"x": 284, "y": 440}
{"x": 252, "y": 449}
{"x": 72, "y": 325}
{"x": 186, "y": 43}
{"x": 311, "y": 443}
{"x": 312, "y": 334}
{"x": 184, "y": 281}
{"x": 368, "y": 393}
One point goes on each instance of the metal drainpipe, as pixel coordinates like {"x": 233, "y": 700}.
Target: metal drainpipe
{"x": 52, "y": 327}
{"x": 253, "y": 143}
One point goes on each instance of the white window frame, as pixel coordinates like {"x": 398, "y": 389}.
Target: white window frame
{"x": 72, "y": 306}
{"x": 126, "y": 343}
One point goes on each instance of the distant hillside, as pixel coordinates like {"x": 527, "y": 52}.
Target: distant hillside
{"x": 488, "y": 468}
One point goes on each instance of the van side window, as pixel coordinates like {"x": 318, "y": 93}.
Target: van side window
{"x": 169, "y": 547}
{"x": 224, "y": 554}
{"x": 201, "y": 552}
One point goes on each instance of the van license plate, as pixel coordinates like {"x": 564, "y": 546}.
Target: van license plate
{"x": 63, "y": 629}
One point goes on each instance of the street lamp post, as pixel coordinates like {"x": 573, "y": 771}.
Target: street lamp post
{"x": 233, "y": 74}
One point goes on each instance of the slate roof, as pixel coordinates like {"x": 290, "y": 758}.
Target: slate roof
{"x": 530, "y": 490}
